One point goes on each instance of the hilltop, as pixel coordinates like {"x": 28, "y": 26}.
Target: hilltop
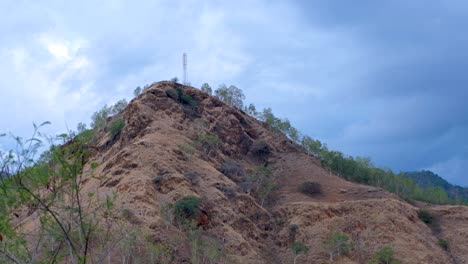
{"x": 201, "y": 181}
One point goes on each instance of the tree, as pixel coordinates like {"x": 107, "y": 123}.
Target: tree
{"x": 175, "y": 80}
{"x": 118, "y": 107}
{"x": 337, "y": 244}
{"x": 137, "y": 91}
{"x": 99, "y": 118}
{"x": 206, "y": 88}
{"x": 251, "y": 110}
{"x": 81, "y": 127}
{"x": 298, "y": 249}
{"x": 230, "y": 95}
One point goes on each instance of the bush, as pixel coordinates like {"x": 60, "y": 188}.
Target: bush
{"x": 187, "y": 208}
{"x": 158, "y": 180}
{"x": 260, "y": 149}
{"x": 192, "y": 177}
{"x": 187, "y": 150}
{"x": 208, "y": 143}
{"x": 310, "y": 188}
{"x": 384, "y": 256}
{"x": 443, "y": 244}
{"x": 116, "y": 127}
{"x": 425, "y": 216}
{"x": 233, "y": 170}
{"x": 293, "y": 229}
{"x": 172, "y": 93}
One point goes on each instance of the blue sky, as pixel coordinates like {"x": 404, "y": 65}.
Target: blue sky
{"x": 383, "y": 79}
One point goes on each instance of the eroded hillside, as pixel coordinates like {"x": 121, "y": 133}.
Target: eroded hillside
{"x": 174, "y": 146}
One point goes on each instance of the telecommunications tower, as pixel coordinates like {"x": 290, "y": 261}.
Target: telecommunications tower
{"x": 184, "y": 62}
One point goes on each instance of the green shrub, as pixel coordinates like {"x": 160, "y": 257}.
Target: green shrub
{"x": 443, "y": 244}
{"x": 310, "y": 188}
{"x": 425, "y": 216}
{"x": 187, "y": 208}
{"x": 384, "y": 256}
{"x": 188, "y": 100}
{"x": 116, "y": 127}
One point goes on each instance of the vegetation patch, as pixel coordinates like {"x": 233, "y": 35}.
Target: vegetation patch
{"x": 116, "y": 127}
{"x": 298, "y": 249}
{"x": 261, "y": 150}
{"x": 425, "y": 216}
{"x": 187, "y": 208}
{"x": 208, "y": 143}
{"x": 233, "y": 170}
{"x": 385, "y": 255}
{"x": 443, "y": 244}
{"x": 310, "y": 188}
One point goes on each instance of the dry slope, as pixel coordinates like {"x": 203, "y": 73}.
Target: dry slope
{"x": 153, "y": 162}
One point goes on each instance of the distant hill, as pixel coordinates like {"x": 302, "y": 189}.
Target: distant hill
{"x": 426, "y": 178}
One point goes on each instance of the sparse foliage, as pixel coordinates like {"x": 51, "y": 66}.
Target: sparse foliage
{"x": 262, "y": 183}
{"x": 52, "y": 188}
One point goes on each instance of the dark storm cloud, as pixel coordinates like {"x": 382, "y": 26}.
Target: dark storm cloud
{"x": 411, "y": 112}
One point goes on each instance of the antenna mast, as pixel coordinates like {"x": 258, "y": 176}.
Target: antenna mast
{"x": 184, "y": 62}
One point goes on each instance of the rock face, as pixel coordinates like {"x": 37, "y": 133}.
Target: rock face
{"x": 158, "y": 158}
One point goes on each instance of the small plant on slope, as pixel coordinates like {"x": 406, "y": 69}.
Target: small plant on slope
{"x": 298, "y": 249}
{"x": 384, "y": 256}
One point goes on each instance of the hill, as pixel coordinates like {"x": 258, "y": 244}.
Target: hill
{"x": 179, "y": 176}
{"x": 426, "y": 178}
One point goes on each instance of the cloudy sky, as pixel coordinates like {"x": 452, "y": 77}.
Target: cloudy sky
{"x": 383, "y": 79}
